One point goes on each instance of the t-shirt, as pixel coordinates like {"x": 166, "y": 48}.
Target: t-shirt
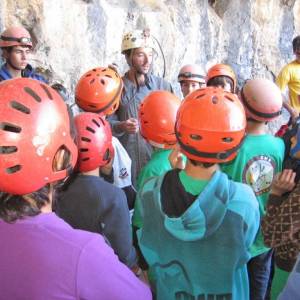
{"x": 42, "y": 257}
{"x": 192, "y": 185}
{"x": 158, "y": 164}
{"x": 289, "y": 77}
{"x": 256, "y": 164}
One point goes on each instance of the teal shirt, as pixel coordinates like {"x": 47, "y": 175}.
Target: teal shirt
{"x": 158, "y": 164}
{"x": 192, "y": 185}
{"x": 257, "y": 162}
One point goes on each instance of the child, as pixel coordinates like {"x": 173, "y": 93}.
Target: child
{"x": 280, "y": 224}
{"x": 88, "y": 202}
{"x": 197, "y": 224}
{"x": 256, "y": 164}
{"x": 157, "y": 114}
{"x": 191, "y": 78}
{"x": 291, "y": 290}
{"x": 42, "y": 257}
{"x": 223, "y": 76}
{"x": 99, "y": 90}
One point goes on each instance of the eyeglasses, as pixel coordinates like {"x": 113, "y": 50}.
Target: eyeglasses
{"x": 22, "y": 40}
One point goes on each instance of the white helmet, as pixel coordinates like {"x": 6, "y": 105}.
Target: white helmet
{"x": 137, "y": 39}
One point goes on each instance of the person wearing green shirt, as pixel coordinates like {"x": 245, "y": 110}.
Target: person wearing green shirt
{"x": 259, "y": 159}
{"x": 197, "y": 224}
{"x": 157, "y": 114}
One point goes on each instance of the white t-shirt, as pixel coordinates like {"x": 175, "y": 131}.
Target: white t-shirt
{"x": 121, "y": 165}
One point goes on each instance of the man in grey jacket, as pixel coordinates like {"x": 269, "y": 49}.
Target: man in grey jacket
{"x": 138, "y": 48}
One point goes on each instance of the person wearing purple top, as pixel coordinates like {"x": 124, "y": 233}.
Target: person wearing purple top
{"x": 41, "y": 256}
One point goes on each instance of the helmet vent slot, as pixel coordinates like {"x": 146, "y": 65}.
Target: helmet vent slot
{"x": 88, "y": 75}
{"x": 92, "y": 106}
{"x": 47, "y": 91}
{"x": 90, "y": 129}
{"x": 94, "y": 70}
{"x": 92, "y": 81}
{"x": 214, "y": 99}
{"x": 20, "y": 107}
{"x": 227, "y": 139}
{"x": 102, "y": 121}
{"x": 8, "y": 149}
{"x": 108, "y": 76}
{"x": 196, "y": 137}
{"x": 85, "y": 139}
{"x": 96, "y": 123}
{"x": 33, "y": 94}
{"x": 10, "y": 127}
{"x": 106, "y": 155}
{"x": 84, "y": 150}
{"x": 229, "y": 98}
{"x": 14, "y": 169}
{"x": 102, "y": 81}
{"x": 85, "y": 159}
{"x": 200, "y": 96}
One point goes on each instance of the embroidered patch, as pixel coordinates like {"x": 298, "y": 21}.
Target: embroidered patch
{"x": 259, "y": 173}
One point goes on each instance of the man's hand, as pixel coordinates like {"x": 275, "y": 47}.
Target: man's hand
{"x": 283, "y": 182}
{"x": 130, "y": 126}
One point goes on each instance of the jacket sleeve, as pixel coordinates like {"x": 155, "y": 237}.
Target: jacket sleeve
{"x": 100, "y": 275}
{"x": 281, "y": 223}
{"x": 117, "y": 229}
{"x": 251, "y": 217}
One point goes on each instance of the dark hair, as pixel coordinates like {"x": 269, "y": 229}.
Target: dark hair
{"x": 205, "y": 165}
{"x": 127, "y": 53}
{"x": 296, "y": 43}
{"x": 220, "y": 80}
{"x": 14, "y": 207}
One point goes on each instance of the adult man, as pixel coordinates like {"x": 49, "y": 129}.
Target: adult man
{"x": 289, "y": 77}
{"x": 138, "y": 48}
{"x": 16, "y": 46}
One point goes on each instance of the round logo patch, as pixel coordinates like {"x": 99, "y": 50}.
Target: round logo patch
{"x": 259, "y": 173}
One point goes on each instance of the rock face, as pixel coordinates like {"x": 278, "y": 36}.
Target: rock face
{"x": 72, "y": 36}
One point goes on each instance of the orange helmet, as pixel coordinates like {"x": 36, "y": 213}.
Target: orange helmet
{"x": 262, "y": 99}
{"x": 99, "y": 90}
{"x": 157, "y": 115}
{"x": 221, "y": 70}
{"x": 15, "y": 36}
{"x": 210, "y": 125}
{"x": 34, "y": 125}
{"x": 191, "y": 73}
{"x": 94, "y": 141}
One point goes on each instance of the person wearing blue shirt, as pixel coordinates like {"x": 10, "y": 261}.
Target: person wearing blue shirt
{"x": 16, "y": 46}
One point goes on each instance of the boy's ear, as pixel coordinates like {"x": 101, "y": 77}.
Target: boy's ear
{"x": 5, "y": 53}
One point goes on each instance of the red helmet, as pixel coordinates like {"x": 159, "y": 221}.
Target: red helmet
{"x": 157, "y": 115}
{"x": 94, "y": 141}
{"x": 221, "y": 70}
{"x": 262, "y": 99}
{"x": 99, "y": 90}
{"x": 210, "y": 125}
{"x": 191, "y": 73}
{"x": 34, "y": 125}
{"x": 15, "y": 36}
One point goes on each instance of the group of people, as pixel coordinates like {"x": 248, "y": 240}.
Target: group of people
{"x": 143, "y": 195}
